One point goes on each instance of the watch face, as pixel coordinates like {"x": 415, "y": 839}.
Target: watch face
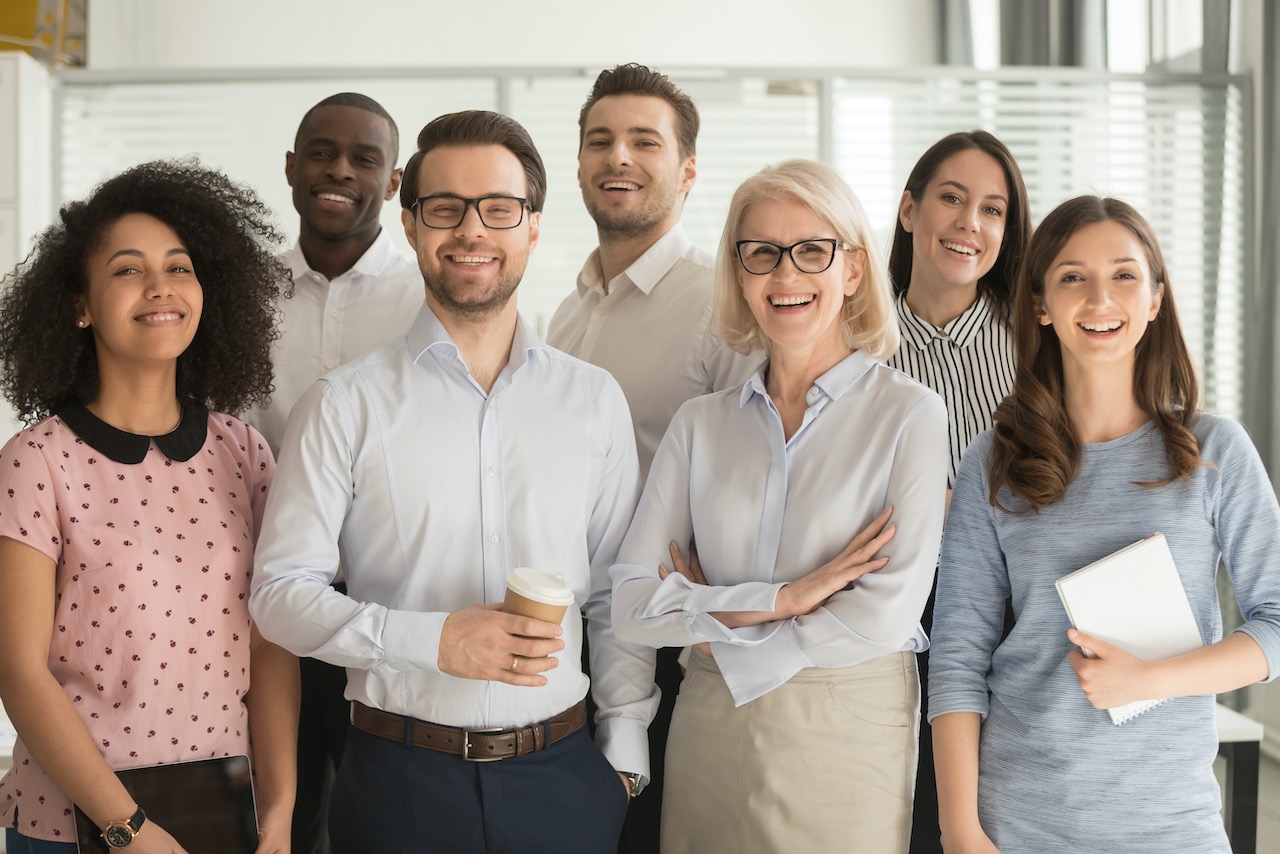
{"x": 117, "y": 835}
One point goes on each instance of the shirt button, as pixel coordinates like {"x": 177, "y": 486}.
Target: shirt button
{"x": 493, "y": 538}
{"x": 334, "y": 313}
{"x": 492, "y": 471}
{"x": 330, "y": 364}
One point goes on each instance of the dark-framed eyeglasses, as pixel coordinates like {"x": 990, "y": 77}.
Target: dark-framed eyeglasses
{"x": 760, "y": 257}
{"x": 448, "y": 211}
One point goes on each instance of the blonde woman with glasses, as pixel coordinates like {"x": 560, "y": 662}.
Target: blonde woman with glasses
{"x": 796, "y": 726}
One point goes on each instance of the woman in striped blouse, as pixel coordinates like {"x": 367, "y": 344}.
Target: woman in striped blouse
{"x": 963, "y": 225}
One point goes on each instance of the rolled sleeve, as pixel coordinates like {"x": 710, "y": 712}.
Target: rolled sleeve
{"x": 973, "y": 585}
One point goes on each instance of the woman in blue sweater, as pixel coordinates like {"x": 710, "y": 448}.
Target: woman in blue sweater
{"x": 1099, "y": 445}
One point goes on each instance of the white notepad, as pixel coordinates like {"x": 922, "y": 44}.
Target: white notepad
{"x": 1134, "y": 599}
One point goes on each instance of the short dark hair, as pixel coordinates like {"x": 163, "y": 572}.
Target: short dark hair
{"x": 360, "y": 102}
{"x": 471, "y": 128}
{"x": 229, "y": 233}
{"x": 634, "y": 79}
{"x": 997, "y": 284}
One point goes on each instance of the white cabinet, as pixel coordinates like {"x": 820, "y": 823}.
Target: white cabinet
{"x": 26, "y": 137}
{"x": 26, "y": 140}
{"x": 1264, "y": 707}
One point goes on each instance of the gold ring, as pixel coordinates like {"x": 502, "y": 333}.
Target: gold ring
{"x": 515, "y": 662}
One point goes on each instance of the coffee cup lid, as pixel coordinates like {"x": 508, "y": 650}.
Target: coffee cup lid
{"x": 540, "y": 586}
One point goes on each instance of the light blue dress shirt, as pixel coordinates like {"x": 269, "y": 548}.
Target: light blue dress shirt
{"x": 765, "y": 510}
{"x": 429, "y": 492}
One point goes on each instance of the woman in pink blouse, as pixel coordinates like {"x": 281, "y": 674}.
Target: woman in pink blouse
{"x": 129, "y": 508}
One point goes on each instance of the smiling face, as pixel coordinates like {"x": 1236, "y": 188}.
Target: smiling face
{"x": 630, "y": 169}
{"x": 1099, "y": 297}
{"x": 471, "y": 271}
{"x": 342, "y": 172}
{"x": 142, "y": 300}
{"x": 796, "y": 310}
{"x": 957, "y": 224}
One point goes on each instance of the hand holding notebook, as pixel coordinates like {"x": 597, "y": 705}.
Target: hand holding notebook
{"x": 1134, "y": 599}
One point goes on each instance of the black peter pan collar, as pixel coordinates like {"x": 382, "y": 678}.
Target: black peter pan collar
{"x": 131, "y": 448}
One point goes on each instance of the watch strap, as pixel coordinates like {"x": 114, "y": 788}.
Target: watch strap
{"x": 112, "y": 833}
{"x": 637, "y": 783}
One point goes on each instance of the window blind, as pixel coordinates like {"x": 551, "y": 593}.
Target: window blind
{"x": 1174, "y": 146}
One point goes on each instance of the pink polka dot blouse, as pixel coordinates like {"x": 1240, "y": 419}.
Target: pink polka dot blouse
{"x": 151, "y": 627}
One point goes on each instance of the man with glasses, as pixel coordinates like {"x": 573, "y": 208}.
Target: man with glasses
{"x": 352, "y": 291}
{"x": 642, "y": 306}
{"x": 433, "y": 467}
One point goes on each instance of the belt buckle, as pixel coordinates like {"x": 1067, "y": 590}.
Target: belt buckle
{"x": 466, "y": 743}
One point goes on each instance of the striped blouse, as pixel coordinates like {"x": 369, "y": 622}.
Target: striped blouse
{"x": 969, "y": 362}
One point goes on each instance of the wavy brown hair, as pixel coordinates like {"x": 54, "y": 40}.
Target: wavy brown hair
{"x": 227, "y": 230}
{"x": 997, "y": 284}
{"x": 1036, "y": 449}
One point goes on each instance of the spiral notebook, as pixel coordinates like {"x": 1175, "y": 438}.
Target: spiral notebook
{"x": 1133, "y": 598}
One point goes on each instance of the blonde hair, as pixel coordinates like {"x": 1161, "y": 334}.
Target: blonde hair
{"x": 867, "y": 319}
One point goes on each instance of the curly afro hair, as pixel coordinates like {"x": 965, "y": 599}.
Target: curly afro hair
{"x": 47, "y": 362}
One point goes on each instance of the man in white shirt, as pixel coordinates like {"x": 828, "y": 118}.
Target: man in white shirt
{"x": 431, "y": 468}
{"x": 643, "y": 302}
{"x": 353, "y": 290}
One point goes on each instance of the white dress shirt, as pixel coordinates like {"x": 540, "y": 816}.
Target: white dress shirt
{"x": 327, "y": 323}
{"x": 969, "y": 362}
{"x": 764, "y": 510}
{"x": 429, "y": 492}
{"x": 651, "y": 332}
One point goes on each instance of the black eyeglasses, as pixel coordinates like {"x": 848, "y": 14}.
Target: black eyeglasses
{"x": 448, "y": 211}
{"x": 760, "y": 257}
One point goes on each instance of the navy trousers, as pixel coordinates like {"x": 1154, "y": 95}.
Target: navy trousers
{"x": 394, "y": 798}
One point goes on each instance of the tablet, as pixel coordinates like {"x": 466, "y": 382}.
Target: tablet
{"x": 205, "y": 804}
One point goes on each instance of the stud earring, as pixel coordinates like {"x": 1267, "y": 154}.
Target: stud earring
{"x": 81, "y": 324}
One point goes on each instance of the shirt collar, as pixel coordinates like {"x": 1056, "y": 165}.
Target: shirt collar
{"x": 646, "y": 271}
{"x": 428, "y": 333}
{"x": 370, "y": 264}
{"x": 131, "y": 448}
{"x": 834, "y": 384}
{"x": 961, "y": 331}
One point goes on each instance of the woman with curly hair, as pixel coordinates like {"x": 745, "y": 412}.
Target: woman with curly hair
{"x": 129, "y": 508}
{"x": 1098, "y": 446}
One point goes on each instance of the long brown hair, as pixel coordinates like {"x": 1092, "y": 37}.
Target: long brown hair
{"x": 997, "y": 284}
{"x": 1036, "y": 450}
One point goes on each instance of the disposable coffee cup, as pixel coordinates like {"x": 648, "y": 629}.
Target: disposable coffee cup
{"x": 538, "y": 594}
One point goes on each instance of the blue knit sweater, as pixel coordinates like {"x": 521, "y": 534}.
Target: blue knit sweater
{"x": 1054, "y": 773}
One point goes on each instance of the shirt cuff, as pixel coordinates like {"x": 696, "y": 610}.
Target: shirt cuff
{"x": 946, "y": 702}
{"x": 753, "y": 671}
{"x": 411, "y": 640}
{"x": 1267, "y": 636}
{"x": 625, "y": 743}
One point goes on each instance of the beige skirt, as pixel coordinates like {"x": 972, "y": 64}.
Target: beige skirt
{"x": 824, "y": 763}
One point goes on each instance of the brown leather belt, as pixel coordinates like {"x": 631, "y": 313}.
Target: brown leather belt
{"x": 484, "y": 744}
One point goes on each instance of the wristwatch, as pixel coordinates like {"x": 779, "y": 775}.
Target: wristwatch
{"x": 120, "y": 833}
{"x": 637, "y": 783}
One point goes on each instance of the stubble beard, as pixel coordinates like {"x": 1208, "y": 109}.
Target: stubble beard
{"x": 492, "y": 302}
{"x": 637, "y": 222}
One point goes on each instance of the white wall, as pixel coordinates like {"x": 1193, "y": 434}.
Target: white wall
{"x": 149, "y": 34}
